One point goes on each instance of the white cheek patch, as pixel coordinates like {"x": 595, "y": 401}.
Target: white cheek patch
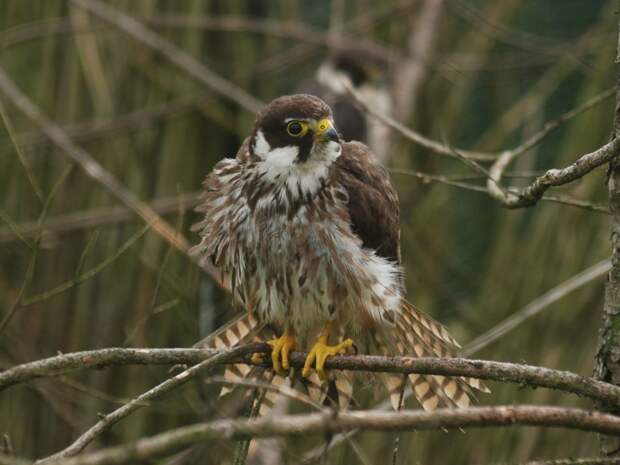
{"x": 280, "y": 164}
{"x": 282, "y": 157}
{"x": 261, "y": 146}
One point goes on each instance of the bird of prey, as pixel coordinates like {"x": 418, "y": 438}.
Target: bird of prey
{"x": 366, "y": 73}
{"x": 305, "y": 228}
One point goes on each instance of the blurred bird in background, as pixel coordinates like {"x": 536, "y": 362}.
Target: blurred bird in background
{"x": 367, "y": 73}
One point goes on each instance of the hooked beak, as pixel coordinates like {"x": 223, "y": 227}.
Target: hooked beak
{"x": 325, "y": 131}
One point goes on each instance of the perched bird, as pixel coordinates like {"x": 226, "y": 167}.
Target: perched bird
{"x": 366, "y": 73}
{"x": 305, "y": 228}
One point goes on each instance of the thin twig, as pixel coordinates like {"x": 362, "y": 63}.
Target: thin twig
{"x": 510, "y": 198}
{"x": 538, "y": 305}
{"x": 455, "y": 181}
{"x": 432, "y": 145}
{"x": 530, "y": 195}
{"x": 18, "y": 303}
{"x": 174, "y": 54}
{"x": 96, "y": 171}
{"x": 90, "y": 166}
{"x": 82, "y": 277}
{"x": 551, "y": 126}
{"x": 20, "y": 155}
{"x": 114, "y": 417}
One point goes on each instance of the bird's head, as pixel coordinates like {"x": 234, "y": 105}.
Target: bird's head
{"x": 295, "y": 132}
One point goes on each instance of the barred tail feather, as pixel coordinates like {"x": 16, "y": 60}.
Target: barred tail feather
{"x": 239, "y": 331}
{"x": 317, "y": 389}
{"x": 270, "y": 396}
{"x": 421, "y": 336}
{"x": 426, "y": 388}
{"x": 393, "y": 383}
{"x": 247, "y": 328}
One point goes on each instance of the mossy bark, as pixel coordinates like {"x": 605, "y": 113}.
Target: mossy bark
{"x": 608, "y": 353}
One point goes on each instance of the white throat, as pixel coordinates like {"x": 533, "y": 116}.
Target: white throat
{"x": 280, "y": 165}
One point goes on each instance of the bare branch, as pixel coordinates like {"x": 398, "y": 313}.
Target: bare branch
{"x": 531, "y": 194}
{"x": 90, "y": 166}
{"x": 430, "y": 144}
{"x": 579, "y": 461}
{"x": 551, "y": 126}
{"x": 512, "y": 198}
{"x": 107, "y": 421}
{"x": 455, "y": 181}
{"x": 509, "y": 155}
{"x": 499, "y": 371}
{"x": 329, "y": 422}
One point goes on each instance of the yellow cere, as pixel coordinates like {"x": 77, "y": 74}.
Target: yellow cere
{"x": 323, "y": 126}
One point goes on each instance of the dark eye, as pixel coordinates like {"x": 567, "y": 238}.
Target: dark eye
{"x": 295, "y": 128}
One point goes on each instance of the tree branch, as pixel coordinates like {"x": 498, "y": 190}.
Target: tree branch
{"x": 531, "y": 194}
{"x": 417, "y": 138}
{"x": 512, "y": 198}
{"x": 579, "y": 461}
{"x": 332, "y": 422}
{"x": 607, "y": 358}
{"x": 107, "y": 421}
{"x": 498, "y": 371}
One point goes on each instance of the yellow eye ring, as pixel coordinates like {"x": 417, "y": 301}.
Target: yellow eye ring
{"x": 297, "y": 128}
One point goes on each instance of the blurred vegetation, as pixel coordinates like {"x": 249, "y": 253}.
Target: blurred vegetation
{"x": 499, "y": 72}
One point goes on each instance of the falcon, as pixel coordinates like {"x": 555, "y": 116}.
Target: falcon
{"x": 305, "y": 228}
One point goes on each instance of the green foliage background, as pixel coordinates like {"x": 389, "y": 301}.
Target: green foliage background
{"x": 469, "y": 262}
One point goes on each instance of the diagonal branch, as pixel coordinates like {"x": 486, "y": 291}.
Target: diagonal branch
{"x": 510, "y": 198}
{"x": 90, "y": 166}
{"x": 417, "y": 138}
{"x": 107, "y": 421}
{"x": 174, "y": 54}
{"x": 538, "y": 305}
{"x": 95, "y": 170}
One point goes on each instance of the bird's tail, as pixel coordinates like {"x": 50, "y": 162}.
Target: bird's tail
{"x": 419, "y": 335}
{"x": 245, "y": 329}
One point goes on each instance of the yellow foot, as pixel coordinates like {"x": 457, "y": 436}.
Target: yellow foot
{"x": 280, "y": 349}
{"x": 258, "y": 358}
{"x": 319, "y": 353}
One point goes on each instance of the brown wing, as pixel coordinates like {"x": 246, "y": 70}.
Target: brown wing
{"x": 373, "y": 202}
